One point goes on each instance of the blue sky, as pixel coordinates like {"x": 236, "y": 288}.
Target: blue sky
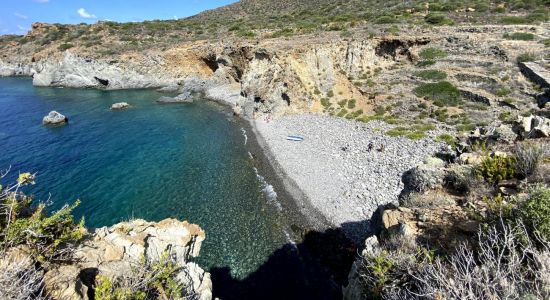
{"x": 16, "y": 16}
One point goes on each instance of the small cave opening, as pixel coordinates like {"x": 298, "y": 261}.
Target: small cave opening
{"x": 211, "y": 62}
{"x": 103, "y": 82}
{"x": 286, "y": 98}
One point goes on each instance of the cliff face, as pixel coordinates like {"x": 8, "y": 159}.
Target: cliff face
{"x": 117, "y": 252}
{"x": 266, "y": 78}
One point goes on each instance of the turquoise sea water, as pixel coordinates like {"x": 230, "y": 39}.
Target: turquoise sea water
{"x": 151, "y": 161}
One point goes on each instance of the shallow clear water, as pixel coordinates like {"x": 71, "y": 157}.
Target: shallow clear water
{"x": 151, "y": 161}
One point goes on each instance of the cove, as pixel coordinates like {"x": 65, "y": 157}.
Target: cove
{"x": 190, "y": 162}
{"x": 151, "y": 161}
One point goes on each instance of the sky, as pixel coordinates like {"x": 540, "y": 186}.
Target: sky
{"x": 16, "y": 16}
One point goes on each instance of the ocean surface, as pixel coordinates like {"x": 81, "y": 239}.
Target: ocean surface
{"x": 151, "y": 161}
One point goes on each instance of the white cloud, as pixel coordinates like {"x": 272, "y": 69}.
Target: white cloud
{"x": 86, "y": 15}
{"x": 42, "y": 1}
{"x": 20, "y": 16}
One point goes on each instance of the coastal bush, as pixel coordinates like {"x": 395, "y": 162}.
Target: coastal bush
{"x": 325, "y": 102}
{"x": 529, "y": 156}
{"x": 47, "y": 236}
{"x": 519, "y": 36}
{"x": 437, "y": 19}
{"x": 525, "y": 57}
{"x": 514, "y": 20}
{"x": 535, "y": 210}
{"x": 504, "y": 262}
{"x": 65, "y": 46}
{"x": 158, "y": 280}
{"x": 351, "y": 104}
{"x": 407, "y": 132}
{"x": 432, "y": 53}
{"x": 342, "y": 113}
{"x": 442, "y": 93}
{"x": 447, "y": 138}
{"x": 385, "y": 20}
{"x": 497, "y": 168}
{"x": 433, "y": 75}
{"x": 545, "y": 42}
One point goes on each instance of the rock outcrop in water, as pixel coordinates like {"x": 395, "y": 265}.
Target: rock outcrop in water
{"x": 120, "y": 105}
{"x": 115, "y": 252}
{"x": 54, "y": 118}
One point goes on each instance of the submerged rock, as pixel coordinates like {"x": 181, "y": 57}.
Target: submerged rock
{"x": 54, "y": 118}
{"x": 120, "y": 105}
{"x": 182, "y": 98}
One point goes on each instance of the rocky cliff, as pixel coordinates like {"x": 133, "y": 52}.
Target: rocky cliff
{"x": 125, "y": 253}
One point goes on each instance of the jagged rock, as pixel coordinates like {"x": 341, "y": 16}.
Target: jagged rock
{"x": 114, "y": 252}
{"x": 532, "y": 127}
{"x": 54, "y": 118}
{"x": 120, "y": 105}
{"x": 537, "y": 71}
{"x": 64, "y": 283}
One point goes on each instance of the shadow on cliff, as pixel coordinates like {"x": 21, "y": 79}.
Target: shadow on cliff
{"x": 316, "y": 268}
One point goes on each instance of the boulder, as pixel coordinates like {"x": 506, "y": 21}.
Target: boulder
{"x": 532, "y": 126}
{"x": 426, "y": 176}
{"x": 114, "y": 252}
{"x": 54, "y": 118}
{"x": 120, "y": 105}
{"x": 185, "y": 97}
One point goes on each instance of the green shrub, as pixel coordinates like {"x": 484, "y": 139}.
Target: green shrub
{"x": 525, "y": 57}
{"x": 545, "y": 42}
{"x": 437, "y": 19}
{"x": 514, "y": 20}
{"x": 30, "y": 225}
{"x": 519, "y": 36}
{"x": 433, "y": 75}
{"x": 65, "y": 46}
{"x": 325, "y": 103}
{"x": 342, "y": 113}
{"x": 351, "y": 104}
{"x": 342, "y": 103}
{"x": 385, "y": 20}
{"x": 442, "y": 93}
{"x": 497, "y": 168}
{"x": 535, "y": 210}
{"x": 447, "y": 138}
{"x": 330, "y": 94}
{"x": 432, "y": 53}
{"x": 407, "y": 132}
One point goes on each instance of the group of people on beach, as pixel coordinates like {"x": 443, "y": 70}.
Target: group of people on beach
{"x": 371, "y": 146}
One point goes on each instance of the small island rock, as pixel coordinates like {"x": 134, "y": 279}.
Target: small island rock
{"x": 186, "y": 97}
{"x": 54, "y": 118}
{"x": 120, "y": 105}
